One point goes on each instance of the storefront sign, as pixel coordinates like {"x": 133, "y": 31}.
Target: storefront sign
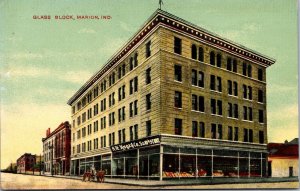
{"x": 135, "y": 144}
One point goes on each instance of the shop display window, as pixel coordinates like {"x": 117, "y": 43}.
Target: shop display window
{"x": 255, "y": 167}
{"x": 131, "y": 166}
{"x": 244, "y": 167}
{"x": 225, "y": 167}
{"x": 187, "y": 165}
{"x": 106, "y": 164}
{"x": 204, "y": 166}
{"x": 170, "y": 165}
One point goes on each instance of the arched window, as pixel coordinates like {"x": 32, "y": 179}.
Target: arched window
{"x": 212, "y": 58}
{"x": 201, "y": 56}
{"x": 219, "y": 60}
{"x": 131, "y": 63}
{"x": 249, "y": 70}
{"x": 194, "y": 52}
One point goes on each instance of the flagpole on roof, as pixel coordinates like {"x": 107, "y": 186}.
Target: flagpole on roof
{"x": 160, "y": 3}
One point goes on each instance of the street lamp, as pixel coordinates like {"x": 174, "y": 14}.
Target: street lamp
{"x": 51, "y": 147}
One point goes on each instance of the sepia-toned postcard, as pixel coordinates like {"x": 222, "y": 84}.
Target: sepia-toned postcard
{"x": 149, "y": 94}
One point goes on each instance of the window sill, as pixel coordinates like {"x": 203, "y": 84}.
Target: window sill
{"x": 215, "y": 91}
{"x": 262, "y": 103}
{"x": 178, "y": 81}
{"x": 247, "y": 121}
{"x": 233, "y": 96}
{"x": 179, "y": 108}
{"x": 233, "y": 118}
{"x": 197, "y": 86}
{"x": 198, "y": 111}
{"x": 248, "y": 99}
{"x": 216, "y": 115}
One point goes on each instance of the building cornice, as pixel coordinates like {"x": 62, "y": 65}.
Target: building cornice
{"x": 174, "y": 23}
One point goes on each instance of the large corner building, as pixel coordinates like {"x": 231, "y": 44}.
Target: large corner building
{"x": 176, "y": 101}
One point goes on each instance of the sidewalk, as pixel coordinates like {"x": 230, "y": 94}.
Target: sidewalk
{"x": 182, "y": 182}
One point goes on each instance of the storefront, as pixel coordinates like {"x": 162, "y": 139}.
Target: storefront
{"x": 160, "y": 158}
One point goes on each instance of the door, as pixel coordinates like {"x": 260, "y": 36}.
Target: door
{"x": 290, "y": 171}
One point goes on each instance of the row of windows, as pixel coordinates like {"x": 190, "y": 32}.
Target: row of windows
{"x": 198, "y": 104}
{"x": 216, "y": 132}
{"x": 216, "y": 84}
{"x": 216, "y": 59}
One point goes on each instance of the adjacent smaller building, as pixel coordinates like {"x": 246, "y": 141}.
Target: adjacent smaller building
{"x": 283, "y": 159}
{"x": 56, "y": 150}
{"x": 26, "y": 163}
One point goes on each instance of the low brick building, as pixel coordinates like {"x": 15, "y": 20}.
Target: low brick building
{"x": 25, "y": 163}
{"x": 56, "y": 149}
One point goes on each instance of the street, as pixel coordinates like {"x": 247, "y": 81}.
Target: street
{"x": 19, "y": 181}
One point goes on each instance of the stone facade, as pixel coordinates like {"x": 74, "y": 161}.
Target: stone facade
{"x": 162, "y": 56}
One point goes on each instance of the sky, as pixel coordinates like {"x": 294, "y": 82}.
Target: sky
{"x": 44, "y": 62}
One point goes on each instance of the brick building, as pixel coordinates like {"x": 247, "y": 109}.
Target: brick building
{"x": 25, "y": 163}
{"x": 175, "y": 101}
{"x": 56, "y": 149}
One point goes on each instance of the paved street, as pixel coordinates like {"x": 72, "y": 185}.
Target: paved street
{"x": 18, "y": 181}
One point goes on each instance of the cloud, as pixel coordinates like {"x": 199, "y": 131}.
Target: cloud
{"x": 79, "y": 77}
{"x": 25, "y": 55}
{"x": 86, "y": 31}
{"x": 124, "y": 26}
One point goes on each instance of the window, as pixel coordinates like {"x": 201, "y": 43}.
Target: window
{"x": 194, "y": 129}
{"x": 246, "y": 135}
{"x": 213, "y": 106}
{"x": 219, "y": 84}
{"x": 120, "y": 115}
{"x": 148, "y": 128}
{"x": 212, "y": 82}
{"x": 260, "y": 96}
{"x": 113, "y": 138}
{"x": 96, "y": 91}
{"x": 201, "y": 104}
{"x": 131, "y": 133}
{"x": 136, "y": 130}
{"x": 236, "y": 111}
{"x": 148, "y": 76}
{"x": 229, "y": 64}
{"x": 135, "y": 107}
{"x": 96, "y": 126}
{"x": 219, "y": 107}
{"x": 260, "y": 116}
{"x": 230, "y": 133}
{"x": 148, "y": 49}
{"x": 201, "y": 79}
{"x": 135, "y": 59}
{"x": 148, "y": 101}
{"x": 229, "y": 85}
{"x": 236, "y": 133}
{"x": 120, "y": 72}
{"x": 194, "y": 52}
{"x": 131, "y": 109}
{"x": 123, "y": 113}
{"x": 131, "y": 87}
{"x": 213, "y": 131}
{"x": 109, "y": 140}
{"x": 194, "y": 77}
{"x": 201, "y": 54}
{"x": 131, "y": 63}
{"x": 235, "y": 88}
{"x": 177, "y": 45}
{"x": 220, "y": 132}
{"x": 124, "y": 136}
{"x": 120, "y": 136}
{"x": 96, "y": 109}
{"x": 250, "y": 114}
{"x": 177, "y": 73}
{"x": 230, "y": 110}
{"x": 245, "y": 113}
{"x": 249, "y": 71}
{"x": 178, "y": 126}
{"x": 219, "y": 60}
{"x": 194, "y": 102}
{"x": 202, "y": 129}
{"x": 212, "y": 58}
{"x": 178, "y": 99}
{"x": 250, "y": 135}
{"x": 261, "y": 137}
{"x": 260, "y": 74}
{"x": 249, "y": 92}
{"x": 123, "y": 91}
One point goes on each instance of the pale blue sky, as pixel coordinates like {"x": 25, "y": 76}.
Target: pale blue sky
{"x": 43, "y": 63}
